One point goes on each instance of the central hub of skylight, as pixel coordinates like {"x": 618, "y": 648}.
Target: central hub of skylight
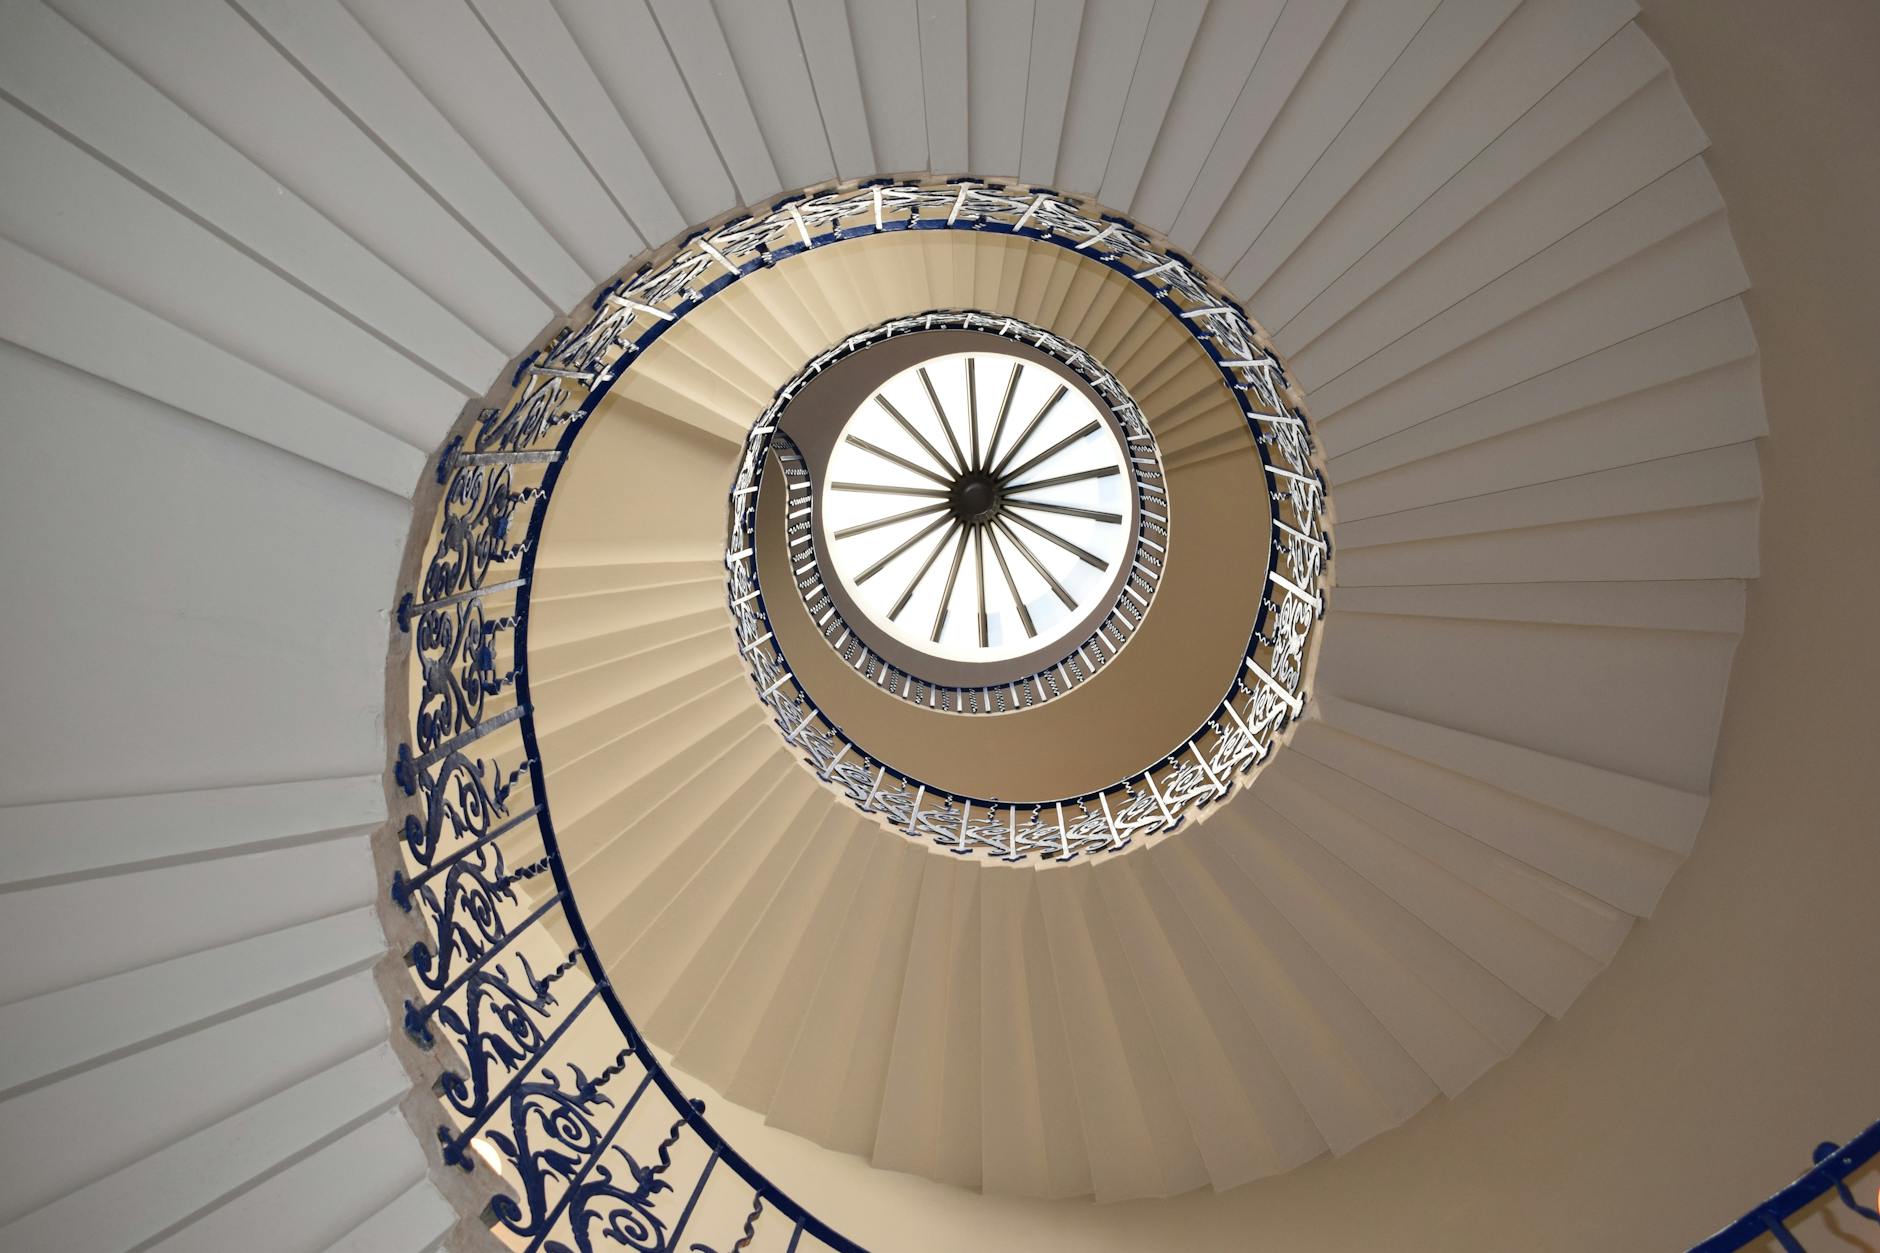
{"x": 978, "y": 507}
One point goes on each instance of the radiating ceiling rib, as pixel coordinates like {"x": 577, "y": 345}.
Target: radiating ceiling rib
{"x": 1689, "y": 270}
{"x": 1686, "y": 268}
{"x": 1114, "y": 1111}
{"x": 1360, "y": 49}
{"x": 769, "y": 57}
{"x": 1230, "y": 43}
{"x": 1385, "y": 173}
{"x": 368, "y": 149}
{"x": 1160, "y": 64}
{"x": 1225, "y": 1128}
{"x": 623, "y": 843}
{"x": 831, "y": 1085}
{"x": 943, "y": 79}
{"x": 887, "y": 42}
{"x": 815, "y": 927}
{"x": 749, "y": 885}
{"x": 1546, "y": 971}
{"x": 1619, "y": 103}
{"x": 128, "y": 123}
{"x": 822, "y": 28}
{"x": 1359, "y": 939}
{"x": 1289, "y": 50}
{"x": 454, "y": 59}
{"x": 699, "y": 807}
{"x": 625, "y": 51}
{"x": 677, "y": 910}
{"x": 1711, "y": 409}
{"x": 698, "y": 45}
{"x": 1109, "y": 42}
{"x": 86, "y": 218}
{"x": 998, "y": 36}
{"x": 1445, "y": 47}
{"x": 540, "y": 46}
{"x": 1056, "y": 32}
{"x": 172, "y": 371}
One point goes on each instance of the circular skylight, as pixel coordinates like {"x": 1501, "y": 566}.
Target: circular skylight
{"x": 978, "y": 508}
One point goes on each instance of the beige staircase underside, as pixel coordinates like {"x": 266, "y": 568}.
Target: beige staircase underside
{"x": 1506, "y": 758}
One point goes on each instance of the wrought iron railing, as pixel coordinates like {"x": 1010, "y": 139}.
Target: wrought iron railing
{"x": 1834, "y": 1163}
{"x": 1266, "y": 695}
{"x": 547, "y": 1097}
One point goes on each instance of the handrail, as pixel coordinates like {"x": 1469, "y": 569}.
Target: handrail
{"x": 1833, "y": 1164}
{"x": 1268, "y": 692}
{"x": 499, "y": 1014}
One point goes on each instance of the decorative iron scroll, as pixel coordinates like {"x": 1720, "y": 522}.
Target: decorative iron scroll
{"x": 1834, "y": 1163}
{"x": 1082, "y": 658}
{"x": 540, "y": 1074}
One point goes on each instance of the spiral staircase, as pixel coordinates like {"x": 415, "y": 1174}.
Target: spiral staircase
{"x": 294, "y": 289}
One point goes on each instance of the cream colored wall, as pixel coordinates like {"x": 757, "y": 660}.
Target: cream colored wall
{"x": 1740, "y": 1025}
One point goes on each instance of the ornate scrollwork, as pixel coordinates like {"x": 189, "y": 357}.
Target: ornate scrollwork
{"x": 1264, "y": 699}
{"x": 478, "y": 874}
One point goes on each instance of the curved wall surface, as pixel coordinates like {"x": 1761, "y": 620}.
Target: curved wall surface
{"x": 256, "y": 258}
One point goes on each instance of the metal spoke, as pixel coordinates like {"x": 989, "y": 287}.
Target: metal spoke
{"x": 972, "y": 414}
{"x": 1005, "y": 411}
{"x": 920, "y": 439}
{"x": 1089, "y": 428}
{"x": 1011, "y": 584}
{"x": 999, "y": 471}
{"x": 919, "y": 576}
{"x": 903, "y": 462}
{"x": 892, "y": 491}
{"x": 1071, "y": 510}
{"x": 1088, "y": 558}
{"x": 921, "y": 512}
{"x": 940, "y": 412}
{"x": 946, "y": 594}
{"x": 979, "y": 568}
{"x": 1025, "y": 552}
{"x": 982, "y": 489}
{"x": 905, "y": 544}
{"x": 1102, "y": 472}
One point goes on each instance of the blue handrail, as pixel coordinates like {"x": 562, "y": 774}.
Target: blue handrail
{"x": 1833, "y": 1164}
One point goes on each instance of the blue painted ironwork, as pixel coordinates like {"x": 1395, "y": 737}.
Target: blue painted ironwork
{"x": 1833, "y": 1164}
{"x": 598, "y": 1146}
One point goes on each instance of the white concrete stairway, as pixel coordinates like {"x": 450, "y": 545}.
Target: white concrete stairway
{"x": 266, "y": 252}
